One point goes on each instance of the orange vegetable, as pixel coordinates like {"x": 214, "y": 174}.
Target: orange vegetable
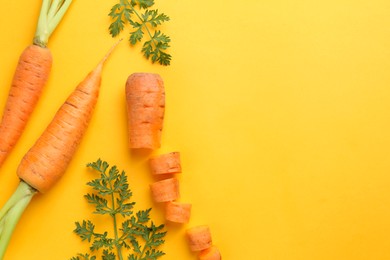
{"x": 29, "y": 79}
{"x": 31, "y": 75}
{"x": 145, "y": 97}
{"x": 199, "y": 238}
{"x": 49, "y": 157}
{"x": 166, "y": 163}
{"x": 165, "y": 190}
{"x": 211, "y": 253}
{"x": 178, "y": 212}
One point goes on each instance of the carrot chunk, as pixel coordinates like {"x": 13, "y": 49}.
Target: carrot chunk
{"x": 211, "y": 253}
{"x": 166, "y": 163}
{"x": 165, "y": 190}
{"x": 199, "y": 238}
{"x": 145, "y": 99}
{"x": 178, "y": 212}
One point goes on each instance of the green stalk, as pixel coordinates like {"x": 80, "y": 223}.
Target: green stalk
{"x": 50, "y": 16}
{"x": 11, "y": 212}
{"x": 118, "y": 247}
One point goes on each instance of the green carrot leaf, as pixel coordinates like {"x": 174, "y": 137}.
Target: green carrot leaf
{"x": 134, "y": 234}
{"x": 143, "y": 21}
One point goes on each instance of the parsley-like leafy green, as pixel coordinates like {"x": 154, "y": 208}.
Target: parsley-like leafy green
{"x": 136, "y": 234}
{"x": 143, "y": 20}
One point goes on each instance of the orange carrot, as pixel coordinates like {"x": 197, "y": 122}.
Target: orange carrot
{"x": 145, "y": 97}
{"x": 211, "y": 253}
{"x": 166, "y": 163}
{"x": 165, "y": 190}
{"x": 178, "y": 212}
{"x": 49, "y": 157}
{"x": 199, "y": 238}
{"x": 31, "y": 75}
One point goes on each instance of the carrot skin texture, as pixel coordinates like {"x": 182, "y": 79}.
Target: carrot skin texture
{"x": 145, "y": 98}
{"x": 178, "y": 212}
{"x": 49, "y": 157}
{"x": 211, "y": 253}
{"x": 166, "y": 164}
{"x": 199, "y": 238}
{"x": 165, "y": 190}
{"x": 31, "y": 75}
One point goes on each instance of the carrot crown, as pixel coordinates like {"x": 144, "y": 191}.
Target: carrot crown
{"x": 50, "y": 16}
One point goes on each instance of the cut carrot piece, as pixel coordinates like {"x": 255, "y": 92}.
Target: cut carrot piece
{"x": 199, "y": 238}
{"x": 178, "y": 212}
{"x": 145, "y": 98}
{"x": 211, "y": 253}
{"x": 166, "y": 163}
{"x": 165, "y": 190}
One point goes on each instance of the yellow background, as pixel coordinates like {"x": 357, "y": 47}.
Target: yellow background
{"x": 280, "y": 110}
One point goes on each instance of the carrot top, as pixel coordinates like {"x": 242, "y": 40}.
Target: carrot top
{"x": 49, "y": 18}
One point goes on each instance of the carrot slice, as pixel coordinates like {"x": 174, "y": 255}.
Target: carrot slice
{"x": 165, "y": 190}
{"x": 211, "y": 253}
{"x": 166, "y": 163}
{"x": 199, "y": 238}
{"x": 178, "y": 212}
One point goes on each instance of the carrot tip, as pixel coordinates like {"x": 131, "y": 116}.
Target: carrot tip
{"x": 110, "y": 51}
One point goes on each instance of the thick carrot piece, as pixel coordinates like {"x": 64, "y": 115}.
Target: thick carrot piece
{"x": 145, "y": 97}
{"x": 211, "y": 253}
{"x": 165, "y": 190}
{"x": 199, "y": 238}
{"x": 49, "y": 157}
{"x": 30, "y": 77}
{"x": 178, "y": 212}
{"x": 166, "y": 163}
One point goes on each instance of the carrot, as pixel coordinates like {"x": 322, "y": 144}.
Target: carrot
{"x": 145, "y": 97}
{"x": 165, "y": 190}
{"x": 31, "y": 75}
{"x": 166, "y": 163}
{"x": 199, "y": 238}
{"x": 178, "y": 212}
{"x": 49, "y": 157}
{"x": 211, "y": 253}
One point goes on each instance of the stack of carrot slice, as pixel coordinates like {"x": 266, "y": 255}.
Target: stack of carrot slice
{"x": 167, "y": 190}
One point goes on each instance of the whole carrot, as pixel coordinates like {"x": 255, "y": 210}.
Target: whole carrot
{"x": 145, "y": 97}
{"x": 31, "y": 74}
{"x": 49, "y": 157}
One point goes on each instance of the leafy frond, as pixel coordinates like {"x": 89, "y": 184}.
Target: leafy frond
{"x": 137, "y": 234}
{"x": 144, "y": 21}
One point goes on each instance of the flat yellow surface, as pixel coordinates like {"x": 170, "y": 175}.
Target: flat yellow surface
{"x": 280, "y": 110}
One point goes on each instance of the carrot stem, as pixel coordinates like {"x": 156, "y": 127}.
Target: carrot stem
{"x": 11, "y": 212}
{"x": 118, "y": 246}
{"x": 49, "y": 17}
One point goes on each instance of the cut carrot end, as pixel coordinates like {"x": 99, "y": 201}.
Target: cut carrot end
{"x": 178, "y": 212}
{"x": 166, "y": 164}
{"x": 165, "y": 190}
{"x": 211, "y": 253}
{"x": 199, "y": 238}
{"x": 145, "y": 99}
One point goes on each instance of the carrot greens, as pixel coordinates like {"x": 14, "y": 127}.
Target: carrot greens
{"x": 50, "y": 16}
{"x": 143, "y": 20}
{"x": 136, "y": 233}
